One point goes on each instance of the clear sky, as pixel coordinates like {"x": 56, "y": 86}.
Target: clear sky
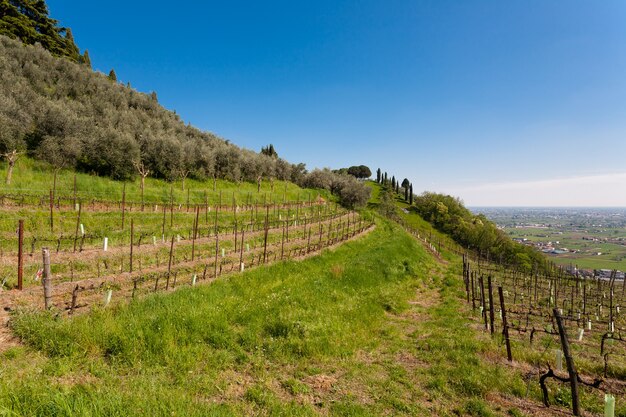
{"x": 497, "y": 102}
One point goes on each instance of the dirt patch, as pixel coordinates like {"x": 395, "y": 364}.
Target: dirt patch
{"x": 528, "y": 407}
{"x": 321, "y": 383}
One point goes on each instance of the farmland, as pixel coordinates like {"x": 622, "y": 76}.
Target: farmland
{"x": 592, "y": 238}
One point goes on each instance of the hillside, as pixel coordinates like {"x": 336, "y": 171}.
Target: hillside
{"x": 71, "y": 117}
{"x": 273, "y": 340}
{"x": 150, "y": 268}
{"x": 266, "y": 342}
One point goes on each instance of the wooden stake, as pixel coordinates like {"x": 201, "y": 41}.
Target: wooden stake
{"x": 171, "y": 206}
{"x": 80, "y": 208}
{"x": 20, "y": 256}
{"x": 123, "y": 204}
{"x": 47, "y": 279}
{"x": 491, "y": 306}
{"x": 505, "y": 326}
{"x": 267, "y": 213}
{"x": 51, "y": 211}
{"x": 241, "y": 249}
{"x": 75, "y": 189}
{"x": 74, "y": 297}
{"x": 282, "y": 243}
{"x": 169, "y": 265}
{"x": 132, "y": 235}
{"x": 571, "y": 369}
{"x": 481, "y": 281}
{"x": 206, "y": 208}
{"x": 195, "y": 234}
{"x": 217, "y": 249}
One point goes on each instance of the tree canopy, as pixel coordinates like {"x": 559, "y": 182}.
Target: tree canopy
{"x": 360, "y": 171}
{"x": 29, "y": 21}
{"x": 66, "y": 114}
{"x": 269, "y": 151}
{"x": 476, "y": 232}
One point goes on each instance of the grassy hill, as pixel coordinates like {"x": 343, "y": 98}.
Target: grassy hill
{"x": 377, "y": 326}
{"x": 286, "y": 304}
{"x": 339, "y": 334}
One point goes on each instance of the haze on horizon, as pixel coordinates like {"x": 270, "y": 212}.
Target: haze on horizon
{"x": 499, "y": 103}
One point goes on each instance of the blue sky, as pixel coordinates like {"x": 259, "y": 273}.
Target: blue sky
{"x": 497, "y": 102}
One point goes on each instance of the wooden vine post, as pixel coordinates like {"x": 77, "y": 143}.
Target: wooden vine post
{"x": 51, "y": 211}
{"x": 195, "y": 234}
{"x": 241, "y": 250}
{"x": 20, "y": 256}
{"x": 47, "y": 279}
{"x": 123, "y": 204}
{"x": 282, "y": 243}
{"x": 163, "y": 224}
{"x": 571, "y": 369}
{"x": 482, "y": 300}
{"x": 466, "y": 275}
{"x": 132, "y": 235}
{"x": 75, "y": 189}
{"x": 505, "y": 326}
{"x": 217, "y": 248}
{"x": 80, "y": 208}
{"x": 491, "y": 306}
{"x": 169, "y": 265}
{"x": 267, "y": 213}
{"x": 171, "y": 206}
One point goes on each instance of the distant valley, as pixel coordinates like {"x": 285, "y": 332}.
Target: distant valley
{"x": 590, "y": 238}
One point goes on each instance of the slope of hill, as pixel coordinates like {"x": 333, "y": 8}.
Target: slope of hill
{"x": 273, "y": 341}
{"x": 71, "y": 117}
{"x": 453, "y": 222}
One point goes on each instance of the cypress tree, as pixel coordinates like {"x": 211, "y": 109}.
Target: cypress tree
{"x": 385, "y": 181}
{"x": 393, "y": 182}
{"x": 113, "y": 76}
{"x": 85, "y": 59}
{"x": 411, "y": 194}
{"x": 378, "y": 175}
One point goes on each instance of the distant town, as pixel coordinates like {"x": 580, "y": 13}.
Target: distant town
{"x": 590, "y": 242}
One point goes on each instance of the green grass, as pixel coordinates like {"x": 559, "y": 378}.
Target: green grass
{"x": 374, "y": 327}
{"x": 31, "y": 177}
{"x": 270, "y": 326}
{"x": 299, "y": 338}
{"x": 32, "y": 181}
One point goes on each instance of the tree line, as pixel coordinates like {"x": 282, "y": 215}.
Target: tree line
{"x": 475, "y": 232}
{"x": 66, "y": 114}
